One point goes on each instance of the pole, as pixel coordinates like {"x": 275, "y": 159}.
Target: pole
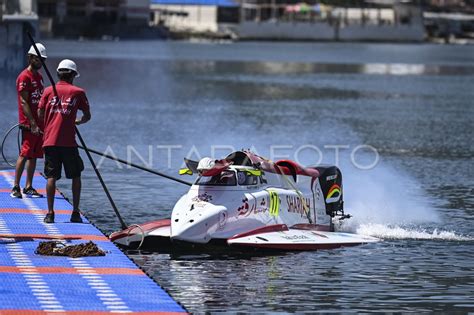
{"x": 138, "y": 166}
{"x": 106, "y": 190}
{"x": 44, "y": 65}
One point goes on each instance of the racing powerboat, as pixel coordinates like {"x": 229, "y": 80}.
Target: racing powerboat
{"x": 246, "y": 200}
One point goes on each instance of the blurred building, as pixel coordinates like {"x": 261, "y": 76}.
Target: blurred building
{"x": 209, "y": 17}
{"x": 94, "y": 18}
{"x": 377, "y": 20}
{"x": 449, "y": 26}
{"x": 447, "y": 3}
{"x": 450, "y": 21}
{"x": 17, "y": 17}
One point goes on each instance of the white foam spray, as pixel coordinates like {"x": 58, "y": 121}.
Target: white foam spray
{"x": 416, "y": 233}
{"x": 389, "y": 204}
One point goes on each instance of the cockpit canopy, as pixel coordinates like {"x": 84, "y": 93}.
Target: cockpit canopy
{"x": 225, "y": 178}
{"x": 230, "y": 177}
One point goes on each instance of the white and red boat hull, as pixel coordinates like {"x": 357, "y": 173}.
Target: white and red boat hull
{"x": 280, "y": 237}
{"x": 303, "y": 237}
{"x": 248, "y": 201}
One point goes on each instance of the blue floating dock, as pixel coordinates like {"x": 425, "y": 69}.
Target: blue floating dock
{"x": 34, "y": 284}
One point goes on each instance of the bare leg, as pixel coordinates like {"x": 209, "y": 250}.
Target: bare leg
{"x": 50, "y": 191}
{"x": 20, "y": 166}
{"x": 76, "y": 192}
{"x": 30, "y": 171}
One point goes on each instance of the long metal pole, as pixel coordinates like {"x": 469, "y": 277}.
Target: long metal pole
{"x": 122, "y": 223}
{"x": 43, "y": 64}
{"x": 139, "y": 167}
{"x": 106, "y": 190}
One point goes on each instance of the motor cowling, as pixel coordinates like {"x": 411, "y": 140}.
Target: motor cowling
{"x": 330, "y": 180}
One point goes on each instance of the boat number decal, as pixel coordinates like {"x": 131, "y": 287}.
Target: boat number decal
{"x": 274, "y": 203}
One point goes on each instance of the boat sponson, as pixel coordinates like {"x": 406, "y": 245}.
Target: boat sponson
{"x": 146, "y": 227}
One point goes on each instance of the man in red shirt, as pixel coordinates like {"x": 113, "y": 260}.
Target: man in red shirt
{"x": 29, "y": 86}
{"x": 59, "y": 141}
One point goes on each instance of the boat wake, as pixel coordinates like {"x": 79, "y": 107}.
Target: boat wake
{"x": 389, "y": 204}
{"x": 394, "y": 232}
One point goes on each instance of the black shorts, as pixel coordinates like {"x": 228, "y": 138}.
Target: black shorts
{"x": 56, "y": 157}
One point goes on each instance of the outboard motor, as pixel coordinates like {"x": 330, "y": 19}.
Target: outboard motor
{"x": 330, "y": 179}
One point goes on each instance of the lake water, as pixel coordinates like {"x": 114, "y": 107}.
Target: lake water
{"x": 397, "y": 118}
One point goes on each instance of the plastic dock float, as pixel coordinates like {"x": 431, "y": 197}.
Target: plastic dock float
{"x": 34, "y": 284}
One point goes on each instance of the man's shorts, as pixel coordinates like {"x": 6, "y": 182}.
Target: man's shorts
{"x": 56, "y": 157}
{"x": 31, "y": 145}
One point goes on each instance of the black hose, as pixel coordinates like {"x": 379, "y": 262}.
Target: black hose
{"x": 5, "y": 138}
{"x": 18, "y": 140}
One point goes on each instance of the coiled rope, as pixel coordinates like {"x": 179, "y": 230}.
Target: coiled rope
{"x": 55, "y": 248}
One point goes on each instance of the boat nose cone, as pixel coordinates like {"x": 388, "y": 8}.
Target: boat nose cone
{"x": 195, "y": 224}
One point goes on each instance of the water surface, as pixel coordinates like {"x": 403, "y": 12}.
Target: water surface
{"x": 413, "y": 103}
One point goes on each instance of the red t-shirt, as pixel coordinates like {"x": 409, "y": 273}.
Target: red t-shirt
{"x": 60, "y": 117}
{"x": 33, "y": 83}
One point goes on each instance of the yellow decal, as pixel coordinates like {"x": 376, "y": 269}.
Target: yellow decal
{"x": 185, "y": 171}
{"x": 274, "y": 203}
{"x": 254, "y": 172}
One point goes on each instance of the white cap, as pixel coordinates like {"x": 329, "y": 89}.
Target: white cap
{"x": 41, "y": 48}
{"x": 68, "y": 64}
